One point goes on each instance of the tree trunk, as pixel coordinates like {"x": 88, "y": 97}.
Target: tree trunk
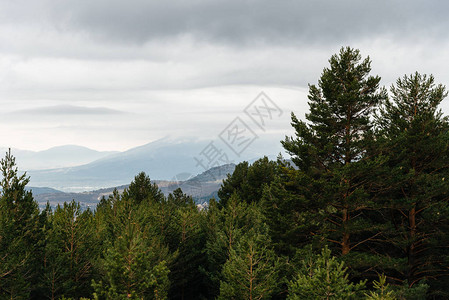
{"x": 411, "y": 250}
{"x": 345, "y": 238}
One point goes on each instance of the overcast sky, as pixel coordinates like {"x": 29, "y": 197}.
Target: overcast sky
{"x": 111, "y": 75}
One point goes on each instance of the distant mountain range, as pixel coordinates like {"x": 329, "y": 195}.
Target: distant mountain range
{"x": 201, "y": 187}
{"x": 56, "y": 157}
{"x": 66, "y": 173}
{"x": 165, "y": 159}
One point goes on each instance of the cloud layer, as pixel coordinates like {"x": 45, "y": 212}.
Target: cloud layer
{"x": 189, "y": 65}
{"x": 230, "y": 21}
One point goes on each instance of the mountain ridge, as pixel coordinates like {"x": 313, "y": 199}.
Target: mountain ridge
{"x": 55, "y": 157}
{"x": 163, "y": 159}
{"x": 201, "y": 187}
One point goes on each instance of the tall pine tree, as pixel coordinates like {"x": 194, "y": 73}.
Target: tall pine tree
{"x": 413, "y": 135}
{"x": 20, "y": 234}
{"x": 329, "y": 150}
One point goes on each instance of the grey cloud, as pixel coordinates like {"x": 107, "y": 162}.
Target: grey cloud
{"x": 67, "y": 110}
{"x": 241, "y": 22}
{"x": 278, "y": 42}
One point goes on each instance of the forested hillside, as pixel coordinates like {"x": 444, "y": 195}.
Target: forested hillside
{"x": 359, "y": 211}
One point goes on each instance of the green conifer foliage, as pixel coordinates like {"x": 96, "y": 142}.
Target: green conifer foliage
{"x": 141, "y": 188}
{"x": 247, "y": 181}
{"x": 330, "y": 150}
{"x": 382, "y": 290}
{"x": 251, "y": 271}
{"x": 187, "y": 239}
{"x": 132, "y": 269}
{"x": 20, "y": 234}
{"x": 71, "y": 249}
{"x": 135, "y": 261}
{"x": 413, "y": 136}
{"x": 323, "y": 277}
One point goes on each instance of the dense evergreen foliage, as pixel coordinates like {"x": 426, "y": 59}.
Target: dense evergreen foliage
{"x": 360, "y": 212}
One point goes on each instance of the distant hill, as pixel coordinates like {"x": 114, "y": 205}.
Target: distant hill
{"x": 43, "y": 190}
{"x": 86, "y": 199}
{"x": 56, "y": 157}
{"x": 202, "y": 187}
{"x": 164, "y": 159}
